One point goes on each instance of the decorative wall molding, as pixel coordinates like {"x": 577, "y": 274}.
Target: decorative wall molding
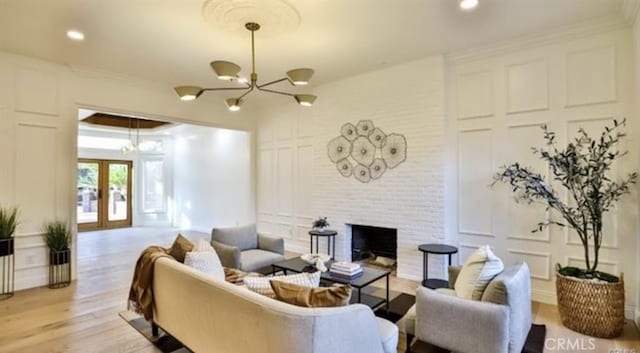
{"x": 547, "y": 256}
{"x": 630, "y": 10}
{"x": 580, "y": 30}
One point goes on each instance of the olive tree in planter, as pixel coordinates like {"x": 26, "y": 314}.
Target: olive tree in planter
{"x": 58, "y": 238}
{"x": 589, "y": 301}
{"x": 8, "y": 225}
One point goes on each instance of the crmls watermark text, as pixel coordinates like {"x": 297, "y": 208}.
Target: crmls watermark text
{"x": 562, "y": 344}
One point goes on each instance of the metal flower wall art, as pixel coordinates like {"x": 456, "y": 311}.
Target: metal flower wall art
{"x": 365, "y": 151}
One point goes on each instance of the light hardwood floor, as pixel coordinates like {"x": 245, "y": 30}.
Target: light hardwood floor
{"x": 84, "y": 317}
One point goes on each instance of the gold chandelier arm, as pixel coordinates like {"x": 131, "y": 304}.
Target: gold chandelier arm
{"x": 245, "y": 93}
{"x": 276, "y": 92}
{"x": 226, "y": 89}
{"x": 274, "y": 82}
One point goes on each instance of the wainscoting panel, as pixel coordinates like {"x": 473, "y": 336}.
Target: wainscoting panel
{"x": 475, "y": 163}
{"x": 35, "y": 173}
{"x": 284, "y": 178}
{"x": 36, "y": 92}
{"x": 475, "y": 95}
{"x": 539, "y": 262}
{"x": 265, "y": 181}
{"x": 528, "y": 87}
{"x": 591, "y": 76}
{"x": 304, "y": 179}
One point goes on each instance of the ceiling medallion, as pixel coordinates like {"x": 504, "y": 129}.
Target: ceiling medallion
{"x": 365, "y": 151}
{"x": 276, "y": 16}
{"x": 228, "y": 71}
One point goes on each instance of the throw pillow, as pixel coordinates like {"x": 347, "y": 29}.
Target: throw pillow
{"x": 203, "y": 245}
{"x": 181, "y": 246}
{"x": 476, "y": 273}
{"x": 206, "y": 262}
{"x": 322, "y": 297}
{"x": 262, "y": 286}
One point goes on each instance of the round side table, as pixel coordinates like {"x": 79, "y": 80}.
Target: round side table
{"x": 331, "y": 239}
{"x": 438, "y": 249}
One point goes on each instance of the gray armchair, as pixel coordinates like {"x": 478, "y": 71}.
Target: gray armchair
{"x": 498, "y": 323}
{"x": 245, "y": 249}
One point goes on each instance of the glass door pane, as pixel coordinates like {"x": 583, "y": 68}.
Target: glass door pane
{"x": 87, "y": 201}
{"x": 118, "y": 192}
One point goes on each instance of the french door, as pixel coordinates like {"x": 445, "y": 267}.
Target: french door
{"x": 103, "y": 194}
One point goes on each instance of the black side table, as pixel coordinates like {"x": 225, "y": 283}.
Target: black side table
{"x": 439, "y": 249}
{"x": 331, "y": 239}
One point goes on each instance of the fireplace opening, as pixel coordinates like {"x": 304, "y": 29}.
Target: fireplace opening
{"x": 374, "y": 243}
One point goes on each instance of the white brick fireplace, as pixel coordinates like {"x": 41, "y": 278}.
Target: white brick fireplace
{"x": 297, "y": 182}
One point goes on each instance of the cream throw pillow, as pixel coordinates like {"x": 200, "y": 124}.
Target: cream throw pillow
{"x": 477, "y": 272}
{"x": 205, "y": 259}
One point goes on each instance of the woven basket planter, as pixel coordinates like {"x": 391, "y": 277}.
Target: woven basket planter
{"x": 591, "y": 308}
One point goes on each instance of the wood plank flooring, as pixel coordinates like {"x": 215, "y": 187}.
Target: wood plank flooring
{"x": 84, "y": 316}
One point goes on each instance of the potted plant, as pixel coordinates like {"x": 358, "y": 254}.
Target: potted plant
{"x": 320, "y": 224}
{"x": 58, "y": 239}
{"x": 8, "y": 224}
{"x": 590, "y": 301}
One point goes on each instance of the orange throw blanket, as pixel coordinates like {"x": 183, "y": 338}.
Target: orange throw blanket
{"x": 141, "y": 292}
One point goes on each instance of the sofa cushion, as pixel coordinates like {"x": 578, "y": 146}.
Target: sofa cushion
{"x": 206, "y": 262}
{"x": 245, "y": 237}
{"x": 476, "y": 273}
{"x": 181, "y": 246}
{"x": 262, "y": 285}
{"x": 252, "y": 260}
{"x": 320, "y": 297}
{"x": 388, "y": 335}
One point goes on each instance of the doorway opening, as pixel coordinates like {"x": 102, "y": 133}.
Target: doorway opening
{"x": 104, "y": 194}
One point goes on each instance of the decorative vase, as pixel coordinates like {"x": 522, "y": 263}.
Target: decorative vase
{"x": 6, "y": 246}
{"x": 591, "y": 308}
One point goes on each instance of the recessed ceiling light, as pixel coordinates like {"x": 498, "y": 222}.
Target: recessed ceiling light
{"x": 75, "y": 35}
{"x": 468, "y": 5}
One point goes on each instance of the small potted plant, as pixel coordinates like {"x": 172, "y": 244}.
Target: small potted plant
{"x": 8, "y": 224}
{"x": 320, "y": 224}
{"x": 58, "y": 239}
{"x": 590, "y": 301}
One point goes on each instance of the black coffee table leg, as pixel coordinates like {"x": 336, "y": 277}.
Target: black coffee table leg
{"x": 333, "y": 254}
{"x": 387, "y": 292}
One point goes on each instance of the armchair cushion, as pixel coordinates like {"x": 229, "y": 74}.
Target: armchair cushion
{"x": 229, "y": 255}
{"x": 451, "y": 322}
{"x": 252, "y": 260}
{"x": 244, "y": 238}
{"x": 272, "y": 244}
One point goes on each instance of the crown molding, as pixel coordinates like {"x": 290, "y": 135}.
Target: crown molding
{"x": 630, "y": 10}
{"x": 576, "y": 31}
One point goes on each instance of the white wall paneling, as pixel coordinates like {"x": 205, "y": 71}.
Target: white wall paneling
{"x": 527, "y": 87}
{"x": 284, "y": 181}
{"x": 567, "y": 83}
{"x": 475, "y": 163}
{"x": 475, "y": 95}
{"x": 539, "y": 262}
{"x": 591, "y": 76}
{"x": 36, "y": 92}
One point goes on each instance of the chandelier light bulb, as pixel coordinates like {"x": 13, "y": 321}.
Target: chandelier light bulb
{"x": 233, "y": 104}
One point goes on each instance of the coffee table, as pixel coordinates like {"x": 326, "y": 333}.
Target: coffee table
{"x": 369, "y": 275}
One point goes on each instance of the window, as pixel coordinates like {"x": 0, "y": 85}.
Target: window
{"x": 153, "y": 186}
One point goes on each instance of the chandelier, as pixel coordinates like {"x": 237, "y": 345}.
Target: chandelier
{"x": 228, "y": 71}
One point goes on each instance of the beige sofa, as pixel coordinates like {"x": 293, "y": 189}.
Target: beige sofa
{"x": 212, "y": 316}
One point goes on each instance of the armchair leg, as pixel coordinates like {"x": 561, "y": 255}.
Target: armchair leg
{"x": 154, "y": 330}
{"x": 409, "y": 341}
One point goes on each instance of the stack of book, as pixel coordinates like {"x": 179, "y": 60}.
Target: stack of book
{"x": 346, "y": 269}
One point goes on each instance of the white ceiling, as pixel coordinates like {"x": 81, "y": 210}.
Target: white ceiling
{"x": 168, "y": 40}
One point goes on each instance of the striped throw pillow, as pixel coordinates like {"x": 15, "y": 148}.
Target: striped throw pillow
{"x": 262, "y": 285}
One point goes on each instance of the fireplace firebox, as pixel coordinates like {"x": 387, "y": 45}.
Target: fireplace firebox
{"x": 370, "y": 241}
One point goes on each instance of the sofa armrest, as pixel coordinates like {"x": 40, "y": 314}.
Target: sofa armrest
{"x": 272, "y": 244}
{"x": 461, "y": 325}
{"x": 229, "y": 255}
{"x": 454, "y": 271}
